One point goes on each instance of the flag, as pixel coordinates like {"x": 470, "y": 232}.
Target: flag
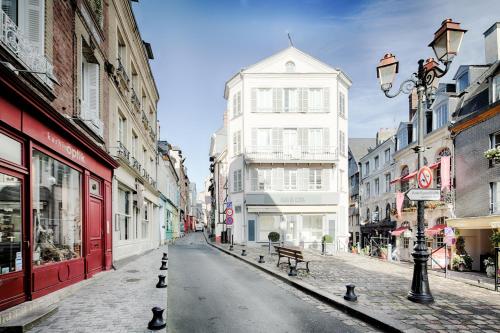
{"x": 445, "y": 173}
{"x": 400, "y": 197}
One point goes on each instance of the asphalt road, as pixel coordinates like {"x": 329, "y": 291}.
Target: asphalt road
{"x": 209, "y": 291}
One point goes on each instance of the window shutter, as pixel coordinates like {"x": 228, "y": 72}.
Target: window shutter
{"x": 277, "y": 137}
{"x": 32, "y": 20}
{"x": 254, "y": 137}
{"x": 326, "y": 99}
{"x": 254, "y": 178}
{"x": 92, "y": 92}
{"x": 325, "y": 180}
{"x": 303, "y": 175}
{"x": 277, "y": 100}
{"x": 10, "y": 8}
{"x": 277, "y": 179}
{"x": 305, "y": 100}
{"x": 254, "y": 100}
{"x": 235, "y": 112}
{"x": 239, "y": 102}
{"x": 326, "y": 137}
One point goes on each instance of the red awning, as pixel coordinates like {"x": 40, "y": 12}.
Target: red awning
{"x": 398, "y": 231}
{"x": 410, "y": 176}
{"x": 435, "y": 165}
{"x": 432, "y": 231}
{"x": 395, "y": 180}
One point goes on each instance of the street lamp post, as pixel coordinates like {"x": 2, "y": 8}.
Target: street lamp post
{"x": 446, "y": 44}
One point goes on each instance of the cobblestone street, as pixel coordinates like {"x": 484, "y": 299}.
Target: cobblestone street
{"x": 118, "y": 301}
{"x": 383, "y": 286}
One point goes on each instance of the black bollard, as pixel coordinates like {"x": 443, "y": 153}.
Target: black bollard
{"x": 161, "y": 282}
{"x": 165, "y": 256}
{"x": 261, "y": 260}
{"x": 243, "y": 253}
{"x": 350, "y": 295}
{"x": 157, "y": 323}
{"x": 231, "y": 247}
{"x": 293, "y": 271}
{"x": 163, "y": 265}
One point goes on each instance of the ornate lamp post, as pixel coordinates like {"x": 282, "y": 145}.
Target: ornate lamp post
{"x": 446, "y": 44}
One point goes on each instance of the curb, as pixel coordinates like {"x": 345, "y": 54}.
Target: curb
{"x": 361, "y": 312}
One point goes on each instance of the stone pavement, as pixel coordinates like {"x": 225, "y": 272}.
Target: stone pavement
{"x": 383, "y": 286}
{"x": 119, "y": 301}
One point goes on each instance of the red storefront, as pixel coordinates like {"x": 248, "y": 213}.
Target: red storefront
{"x": 55, "y": 200}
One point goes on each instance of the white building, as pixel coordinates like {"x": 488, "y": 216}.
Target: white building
{"x": 287, "y": 150}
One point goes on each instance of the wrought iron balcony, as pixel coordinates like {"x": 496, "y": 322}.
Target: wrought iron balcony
{"x": 123, "y": 153}
{"x": 122, "y": 73}
{"x": 295, "y": 154}
{"x": 135, "y": 101}
{"x": 136, "y": 165}
{"x": 28, "y": 54}
{"x": 145, "y": 120}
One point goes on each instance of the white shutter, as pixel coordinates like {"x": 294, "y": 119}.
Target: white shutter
{"x": 254, "y": 137}
{"x": 235, "y": 112}
{"x": 326, "y": 137}
{"x": 254, "y": 100}
{"x": 326, "y": 99}
{"x": 277, "y": 100}
{"x": 254, "y": 176}
{"x": 277, "y": 138}
{"x": 303, "y": 175}
{"x": 32, "y": 19}
{"x": 239, "y": 102}
{"x": 93, "y": 92}
{"x": 305, "y": 100}
{"x": 10, "y": 8}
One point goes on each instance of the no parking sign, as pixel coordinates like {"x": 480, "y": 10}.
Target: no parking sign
{"x": 424, "y": 177}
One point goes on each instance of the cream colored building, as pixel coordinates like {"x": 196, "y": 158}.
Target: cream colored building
{"x": 132, "y": 137}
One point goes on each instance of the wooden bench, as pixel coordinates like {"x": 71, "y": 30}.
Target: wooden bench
{"x": 291, "y": 253}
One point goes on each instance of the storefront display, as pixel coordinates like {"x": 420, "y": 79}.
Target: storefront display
{"x": 10, "y": 224}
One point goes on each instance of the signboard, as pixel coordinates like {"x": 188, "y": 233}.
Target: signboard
{"x": 229, "y": 211}
{"x": 424, "y": 177}
{"x": 229, "y": 204}
{"x": 416, "y": 194}
{"x": 229, "y": 220}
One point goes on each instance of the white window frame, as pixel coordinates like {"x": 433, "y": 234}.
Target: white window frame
{"x": 290, "y": 177}
{"x": 342, "y": 104}
{"x": 237, "y": 143}
{"x": 376, "y": 162}
{"x": 387, "y": 182}
{"x": 316, "y": 100}
{"x": 237, "y": 104}
{"x": 264, "y": 179}
{"x": 315, "y": 179}
{"x": 237, "y": 181}
{"x": 387, "y": 155}
{"x": 496, "y": 89}
{"x": 289, "y": 105}
{"x": 377, "y": 186}
{"x": 264, "y": 101}
{"x": 441, "y": 115}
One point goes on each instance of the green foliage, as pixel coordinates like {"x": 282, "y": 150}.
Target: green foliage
{"x": 327, "y": 239}
{"x": 495, "y": 238}
{"x": 465, "y": 259}
{"x": 273, "y": 236}
{"x": 460, "y": 246}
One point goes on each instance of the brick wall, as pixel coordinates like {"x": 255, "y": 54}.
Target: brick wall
{"x": 473, "y": 172}
{"x": 64, "y": 56}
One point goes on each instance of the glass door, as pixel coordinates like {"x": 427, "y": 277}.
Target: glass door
{"x": 11, "y": 239}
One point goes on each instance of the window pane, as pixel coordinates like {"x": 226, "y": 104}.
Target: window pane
{"x": 11, "y": 258}
{"x": 56, "y": 210}
{"x": 266, "y": 225}
{"x": 11, "y": 149}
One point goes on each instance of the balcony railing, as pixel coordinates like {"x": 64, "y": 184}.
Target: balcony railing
{"x": 122, "y": 73}
{"x": 145, "y": 120}
{"x": 294, "y": 154}
{"x": 123, "y": 152}
{"x": 135, "y": 101}
{"x": 28, "y": 54}
{"x": 136, "y": 165}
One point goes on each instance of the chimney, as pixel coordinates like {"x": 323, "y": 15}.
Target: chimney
{"x": 384, "y": 134}
{"x": 492, "y": 43}
{"x": 412, "y": 101}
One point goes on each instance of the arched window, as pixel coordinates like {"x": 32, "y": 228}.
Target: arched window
{"x": 388, "y": 211}
{"x": 405, "y": 184}
{"x": 441, "y": 220}
{"x": 290, "y": 67}
{"x": 376, "y": 216}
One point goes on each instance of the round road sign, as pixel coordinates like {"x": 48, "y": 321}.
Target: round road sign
{"x": 424, "y": 177}
{"x": 229, "y": 211}
{"x": 229, "y": 220}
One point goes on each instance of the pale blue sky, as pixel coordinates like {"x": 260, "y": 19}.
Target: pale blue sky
{"x": 199, "y": 44}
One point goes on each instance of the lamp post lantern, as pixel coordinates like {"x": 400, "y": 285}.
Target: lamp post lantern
{"x": 446, "y": 44}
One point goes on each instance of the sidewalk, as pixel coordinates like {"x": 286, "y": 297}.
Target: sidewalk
{"x": 120, "y": 301}
{"x": 382, "y": 287}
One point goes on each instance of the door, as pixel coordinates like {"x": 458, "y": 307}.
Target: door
{"x": 13, "y": 251}
{"x": 96, "y": 241}
{"x": 251, "y": 230}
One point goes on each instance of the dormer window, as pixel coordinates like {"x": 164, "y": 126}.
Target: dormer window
{"x": 290, "y": 67}
{"x": 463, "y": 81}
{"x": 496, "y": 89}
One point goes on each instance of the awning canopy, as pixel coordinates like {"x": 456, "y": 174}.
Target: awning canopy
{"x": 435, "y": 165}
{"x": 398, "y": 231}
{"x": 432, "y": 231}
{"x": 413, "y": 174}
{"x": 410, "y": 175}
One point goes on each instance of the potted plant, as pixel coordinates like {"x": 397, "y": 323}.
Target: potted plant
{"x": 495, "y": 239}
{"x": 492, "y": 154}
{"x": 490, "y": 267}
{"x": 462, "y": 261}
{"x": 326, "y": 239}
{"x": 273, "y": 237}
{"x": 354, "y": 249}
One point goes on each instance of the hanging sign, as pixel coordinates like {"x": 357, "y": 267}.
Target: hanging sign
{"x": 229, "y": 212}
{"x": 229, "y": 220}
{"x": 424, "y": 177}
{"x": 418, "y": 194}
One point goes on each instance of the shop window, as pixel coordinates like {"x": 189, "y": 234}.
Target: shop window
{"x": 11, "y": 258}
{"x": 123, "y": 215}
{"x": 57, "y": 214}
{"x": 11, "y": 149}
{"x": 312, "y": 228}
{"x": 268, "y": 223}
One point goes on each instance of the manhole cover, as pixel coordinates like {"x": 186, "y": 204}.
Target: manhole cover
{"x": 132, "y": 280}
{"x": 133, "y": 271}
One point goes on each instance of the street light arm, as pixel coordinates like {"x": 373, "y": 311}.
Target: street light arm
{"x": 436, "y": 73}
{"x": 406, "y": 87}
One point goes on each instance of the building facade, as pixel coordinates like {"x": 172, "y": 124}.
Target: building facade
{"x": 168, "y": 185}
{"x": 476, "y": 129}
{"x": 358, "y": 147}
{"x": 55, "y": 175}
{"x": 287, "y": 151}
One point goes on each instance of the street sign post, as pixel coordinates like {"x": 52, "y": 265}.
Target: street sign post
{"x": 229, "y": 220}
{"x": 419, "y": 194}
{"x": 229, "y": 211}
{"x": 424, "y": 177}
